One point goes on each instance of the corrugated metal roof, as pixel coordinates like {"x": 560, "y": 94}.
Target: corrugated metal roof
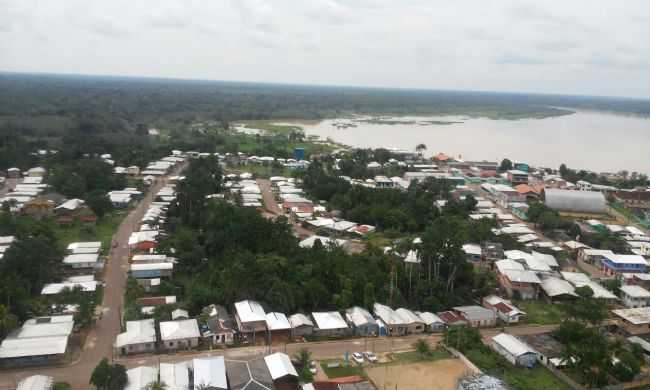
{"x": 210, "y": 372}
{"x": 280, "y": 365}
{"x": 513, "y": 345}
{"x": 329, "y": 320}
{"x": 575, "y": 201}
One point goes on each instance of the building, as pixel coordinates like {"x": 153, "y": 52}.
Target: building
{"x": 635, "y": 296}
{"x": 514, "y": 350}
{"x": 41, "y": 340}
{"x": 86, "y": 261}
{"x": 210, "y": 372}
{"x": 221, "y": 327}
{"x": 477, "y": 316}
{"x": 278, "y": 326}
{"x": 36, "y": 382}
{"x": 556, "y": 289}
{"x": 283, "y": 373}
{"x": 593, "y": 256}
{"x": 588, "y": 202}
{"x": 361, "y": 322}
{"x": 301, "y": 325}
{"x": 330, "y": 324}
{"x": 633, "y": 199}
{"x": 140, "y": 336}
{"x": 504, "y": 309}
{"x": 616, "y": 264}
{"x": 473, "y": 252}
{"x": 517, "y": 177}
{"x": 432, "y": 322}
{"x": 140, "y": 377}
{"x": 452, "y": 318}
{"x": 529, "y": 192}
{"x": 414, "y": 324}
{"x": 578, "y": 279}
{"x": 397, "y": 326}
{"x": 181, "y": 334}
{"x": 152, "y": 270}
{"x": 549, "y": 350}
{"x": 634, "y": 321}
{"x": 516, "y": 281}
{"x": 175, "y": 375}
{"x": 251, "y": 319}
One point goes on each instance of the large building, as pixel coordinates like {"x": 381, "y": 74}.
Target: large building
{"x": 40, "y": 340}
{"x": 588, "y": 202}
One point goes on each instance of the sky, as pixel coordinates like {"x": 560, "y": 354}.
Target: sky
{"x": 581, "y": 47}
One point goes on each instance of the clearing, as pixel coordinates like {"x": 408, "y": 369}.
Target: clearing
{"x": 438, "y": 375}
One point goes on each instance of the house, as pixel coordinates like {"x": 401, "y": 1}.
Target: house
{"x": 140, "y": 336}
{"x": 41, "y": 340}
{"x": 152, "y": 270}
{"x": 492, "y": 251}
{"x": 220, "y": 325}
{"x": 181, "y": 334}
{"x": 140, "y": 377}
{"x": 414, "y": 324}
{"x": 451, "y": 318}
{"x": 397, "y": 326}
{"x": 210, "y": 372}
{"x": 549, "y": 350}
{"x": 578, "y": 279}
{"x": 517, "y": 177}
{"x": 637, "y": 279}
{"x": 36, "y": 172}
{"x": 82, "y": 261}
{"x": 615, "y": 264}
{"x": 301, "y": 325}
{"x": 330, "y": 324}
{"x": 556, "y": 289}
{"x": 547, "y": 259}
{"x": 249, "y": 374}
{"x": 36, "y": 382}
{"x": 529, "y": 192}
{"x": 634, "y": 296}
{"x": 251, "y": 319}
{"x": 69, "y": 207}
{"x": 473, "y": 252}
{"x": 283, "y": 373}
{"x": 175, "y": 375}
{"x": 361, "y": 321}
{"x": 432, "y": 322}
{"x": 278, "y": 326}
{"x": 571, "y": 201}
{"x": 514, "y": 350}
{"x": 149, "y": 304}
{"x": 516, "y": 281}
{"x": 633, "y": 199}
{"x": 477, "y": 316}
{"x": 634, "y": 321}
{"x": 504, "y": 309}
{"x": 592, "y": 256}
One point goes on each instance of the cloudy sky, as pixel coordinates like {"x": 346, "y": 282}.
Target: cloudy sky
{"x": 569, "y": 46}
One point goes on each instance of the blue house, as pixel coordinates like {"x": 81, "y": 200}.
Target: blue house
{"x": 361, "y": 322}
{"x": 616, "y": 264}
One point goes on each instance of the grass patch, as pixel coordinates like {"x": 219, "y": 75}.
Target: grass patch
{"x": 62, "y": 386}
{"x": 351, "y": 369}
{"x": 102, "y": 231}
{"x": 542, "y": 313}
{"x": 538, "y": 378}
{"x": 415, "y": 357}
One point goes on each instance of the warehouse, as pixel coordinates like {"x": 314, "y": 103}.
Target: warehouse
{"x": 589, "y": 202}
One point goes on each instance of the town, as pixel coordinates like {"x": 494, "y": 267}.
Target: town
{"x": 330, "y": 269}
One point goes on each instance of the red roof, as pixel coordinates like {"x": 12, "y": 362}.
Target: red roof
{"x": 503, "y": 308}
{"x": 441, "y": 157}
{"x": 450, "y": 317}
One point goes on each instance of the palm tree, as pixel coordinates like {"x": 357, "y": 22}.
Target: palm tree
{"x": 302, "y": 357}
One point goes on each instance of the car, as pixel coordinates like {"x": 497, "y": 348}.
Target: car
{"x": 372, "y": 358}
{"x": 312, "y": 367}
{"x": 357, "y": 357}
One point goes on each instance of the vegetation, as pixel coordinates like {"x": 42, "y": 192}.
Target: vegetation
{"x": 541, "y": 313}
{"x": 342, "y": 370}
{"x": 108, "y": 376}
{"x": 628, "y": 180}
{"x": 302, "y": 360}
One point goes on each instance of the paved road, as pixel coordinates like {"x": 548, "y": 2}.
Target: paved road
{"x": 99, "y": 343}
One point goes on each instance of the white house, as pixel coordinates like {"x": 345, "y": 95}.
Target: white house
{"x": 182, "y": 334}
{"x": 635, "y": 296}
{"x": 514, "y": 350}
{"x": 140, "y": 336}
{"x": 330, "y": 323}
{"x": 301, "y": 325}
{"x": 250, "y": 318}
{"x": 504, "y": 309}
{"x": 36, "y": 382}
{"x": 414, "y": 324}
{"x": 211, "y": 373}
{"x": 140, "y": 377}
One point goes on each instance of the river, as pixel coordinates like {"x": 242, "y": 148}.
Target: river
{"x": 584, "y": 140}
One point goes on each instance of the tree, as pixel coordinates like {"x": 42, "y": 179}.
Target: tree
{"x": 505, "y": 165}
{"x": 422, "y": 347}
{"x": 8, "y": 321}
{"x": 302, "y": 357}
{"x": 462, "y": 337}
{"x": 156, "y": 385}
{"x": 420, "y": 148}
{"x": 109, "y": 376}
{"x": 99, "y": 203}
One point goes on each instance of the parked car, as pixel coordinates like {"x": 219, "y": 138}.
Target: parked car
{"x": 372, "y": 358}
{"x": 357, "y": 357}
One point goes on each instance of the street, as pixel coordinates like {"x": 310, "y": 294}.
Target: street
{"x": 99, "y": 342}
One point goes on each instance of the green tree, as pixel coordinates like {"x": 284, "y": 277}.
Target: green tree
{"x": 109, "y": 376}
{"x": 8, "y": 321}
{"x": 462, "y": 337}
{"x": 505, "y": 165}
{"x": 99, "y": 203}
{"x": 422, "y": 347}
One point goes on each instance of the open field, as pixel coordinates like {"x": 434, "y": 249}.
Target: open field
{"x": 438, "y": 375}
{"x": 542, "y": 313}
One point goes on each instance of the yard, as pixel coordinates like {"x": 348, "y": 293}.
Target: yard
{"x": 438, "y": 375}
{"x": 415, "y": 357}
{"x": 538, "y": 378}
{"x": 341, "y": 370}
{"x": 542, "y": 313}
{"x": 102, "y": 231}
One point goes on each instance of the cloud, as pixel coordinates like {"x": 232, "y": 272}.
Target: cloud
{"x": 464, "y": 44}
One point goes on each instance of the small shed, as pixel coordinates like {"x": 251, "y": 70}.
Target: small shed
{"x": 514, "y": 350}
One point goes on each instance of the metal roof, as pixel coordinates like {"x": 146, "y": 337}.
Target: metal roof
{"x": 280, "y": 365}
{"x": 359, "y": 316}
{"x": 635, "y": 291}
{"x": 409, "y": 316}
{"x": 210, "y": 372}
{"x": 636, "y": 316}
{"x": 176, "y": 330}
{"x": 137, "y": 332}
{"x": 36, "y": 382}
{"x": 553, "y": 287}
{"x": 329, "y": 320}
{"x": 513, "y": 345}
{"x": 388, "y": 315}
{"x": 250, "y": 311}
{"x": 429, "y": 318}
{"x": 299, "y": 319}
{"x": 140, "y": 377}
{"x": 277, "y": 321}
{"x": 175, "y": 375}
{"x": 37, "y": 346}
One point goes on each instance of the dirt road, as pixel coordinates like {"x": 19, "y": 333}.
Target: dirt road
{"x": 99, "y": 343}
